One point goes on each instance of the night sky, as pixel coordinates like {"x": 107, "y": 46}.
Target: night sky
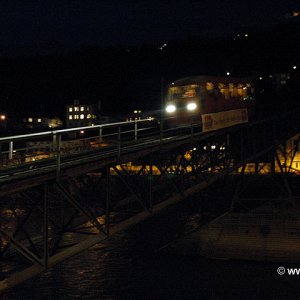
{"x": 104, "y": 23}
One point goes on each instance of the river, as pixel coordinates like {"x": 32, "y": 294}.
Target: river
{"x": 131, "y": 265}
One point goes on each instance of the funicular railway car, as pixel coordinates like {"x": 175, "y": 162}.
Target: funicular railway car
{"x": 213, "y": 102}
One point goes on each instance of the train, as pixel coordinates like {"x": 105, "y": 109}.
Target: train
{"x": 212, "y": 102}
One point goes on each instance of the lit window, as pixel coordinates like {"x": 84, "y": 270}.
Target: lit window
{"x": 76, "y": 116}
{"x": 81, "y": 108}
{"x": 70, "y": 109}
{"x": 70, "y": 117}
{"x": 30, "y": 120}
{"x": 39, "y": 120}
{"x": 76, "y": 108}
{"x": 231, "y": 89}
{"x": 89, "y": 116}
{"x": 82, "y": 116}
{"x": 209, "y": 86}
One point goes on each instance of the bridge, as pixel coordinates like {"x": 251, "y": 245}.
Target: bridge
{"x": 64, "y": 191}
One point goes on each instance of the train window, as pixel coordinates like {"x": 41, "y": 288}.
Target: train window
{"x": 224, "y": 90}
{"x": 174, "y": 92}
{"x": 240, "y": 90}
{"x": 235, "y": 91}
{"x": 189, "y": 93}
{"x": 209, "y": 86}
{"x": 231, "y": 89}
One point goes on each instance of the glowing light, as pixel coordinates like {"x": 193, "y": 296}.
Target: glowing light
{"x": 260, "y": 78}
{"x": 294, "y": 67}
{"x": 191, "y": 106}
{"x": 81, "y": 131}
{"x": 170, "y": 108}
{"x": 2, "y": 117}
{"x": 227, "y": 73}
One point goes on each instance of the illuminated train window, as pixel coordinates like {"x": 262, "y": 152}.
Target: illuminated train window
{"x": 240, "y": 90}
{"x": 209, "y": 86}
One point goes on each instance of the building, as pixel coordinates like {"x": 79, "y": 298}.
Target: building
{"x": 80, "y": 115}
{"x": 36, "y": 122}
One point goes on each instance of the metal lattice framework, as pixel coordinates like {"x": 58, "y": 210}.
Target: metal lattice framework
{"x": 49, "y": 216}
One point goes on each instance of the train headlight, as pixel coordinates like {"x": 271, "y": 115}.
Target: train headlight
{"x": 170, "y": 108}
{"x": 191, "y": 106}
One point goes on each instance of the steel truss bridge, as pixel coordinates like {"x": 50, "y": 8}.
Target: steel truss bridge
{"x": 60, "y": 195}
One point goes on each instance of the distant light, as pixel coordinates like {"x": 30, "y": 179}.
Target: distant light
{"x": 191, "y": 106}
{"x": 294, "y": 67}
{"x": 170, "y": 108}
{"x": 246, "y": 34}
{"x": 227, "y": 73}
{"x": 2, "y": 117}
{"x": 194, "y": 149}
{"x": 260, "y": 78}
{"x": 270, "y": 76}
{"x": 172, "y": 83}
{"x": 81, "y": 131}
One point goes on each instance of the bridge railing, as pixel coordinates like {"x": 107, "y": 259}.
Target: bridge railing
{"x": 28, "y": 148}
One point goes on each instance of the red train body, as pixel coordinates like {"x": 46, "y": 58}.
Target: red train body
{"x": 189, "y": 99}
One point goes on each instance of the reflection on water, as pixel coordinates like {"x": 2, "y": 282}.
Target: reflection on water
{"x": 130, "y": 266}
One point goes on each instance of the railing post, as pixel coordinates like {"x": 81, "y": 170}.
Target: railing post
{"x": 54, "y": 141}
{"x": 150, "y": 185}
{"x": 107, "y": 206}
{"x": 10, "y": 150}
{"x": 58, "y": 155}
{"x": 1, "y": 156}
{"x": 161, "y": 131}
{"x": 135, "y": 130}
{"x": 119, "y": 141}
{"x": 100, "y": 134}
{"x": 45, "y": 226}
